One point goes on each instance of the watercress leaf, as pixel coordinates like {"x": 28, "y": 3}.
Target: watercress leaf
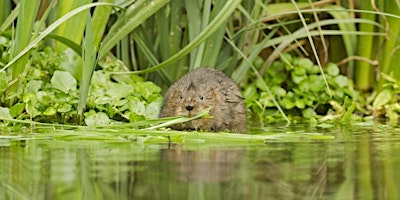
{"x": 95, "y": 119}
{"x": 342, "y": 81}
{"x": 44, "y": 97}
{"x": 50, "y": 111}
{"x": 305, "y": 63}
{"x": 316, "y": 83}
{"x": 33, "y": 86}
{"x": 147, "y": 88}
{"x": 137, "y": 107}
{"x": 118, "y": 91}
{"x": 5, "y": 112}
{"x": 300, "y": 103}
{"x": 260, "y": 85}
{"x": 304, "y": 86}
{"x": 64, "y": 108}
{"x": 63, "y": 81}
{"x": 100, "y": 79}
{"x": 332, "y": 69}
{"x": 298, "y": 78}
{"x": 287, "y": 103}
{"x": 382, "y": 98}
{"x": 300, "y": 71}
{"x": 17, "y": 109}
{"x": 278, "y": 91}
{"x": 31, "y": 110}
{"x": 250, "y": 92}
{"x": 309, "y": 113}
{"x": 152, "y": 110}
{"x": 133, "y": 117}
{"x": 314, "y": 70}
{"x": 29, "y": 97}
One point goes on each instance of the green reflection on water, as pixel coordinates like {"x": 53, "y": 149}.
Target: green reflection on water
{"x": 359, "y": 162}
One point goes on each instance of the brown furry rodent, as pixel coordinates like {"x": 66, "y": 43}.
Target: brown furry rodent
{"x": 199, "y": 90}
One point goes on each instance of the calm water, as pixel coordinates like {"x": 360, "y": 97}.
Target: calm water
{"x": 361, "y": 162}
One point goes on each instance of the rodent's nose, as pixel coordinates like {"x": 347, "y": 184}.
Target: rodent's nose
{"x": 189, "y": 107}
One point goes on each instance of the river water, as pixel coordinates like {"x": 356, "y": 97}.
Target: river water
{"x": 357, "y": 161}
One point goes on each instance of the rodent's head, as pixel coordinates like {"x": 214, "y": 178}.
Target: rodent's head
{"x": 189, "y": 97}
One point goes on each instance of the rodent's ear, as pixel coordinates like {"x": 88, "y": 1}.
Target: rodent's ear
{"x": 191, "y": 86}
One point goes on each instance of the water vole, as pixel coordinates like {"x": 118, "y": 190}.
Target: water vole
{"x": 200, "y": 89}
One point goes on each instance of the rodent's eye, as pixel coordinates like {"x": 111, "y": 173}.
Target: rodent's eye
{"x": 181, "y": 97}
{"x": 201, "y": 97}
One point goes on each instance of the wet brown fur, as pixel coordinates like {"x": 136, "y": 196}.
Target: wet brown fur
{"x": 199, "y": 90}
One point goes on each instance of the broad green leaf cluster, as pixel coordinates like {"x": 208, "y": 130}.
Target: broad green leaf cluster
{"x": 299, "y": 88}
{"x": 50, "y": 94}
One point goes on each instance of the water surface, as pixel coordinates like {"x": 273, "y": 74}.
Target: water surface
{"x": 358, "y": 161}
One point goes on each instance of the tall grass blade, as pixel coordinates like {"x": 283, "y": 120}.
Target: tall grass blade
{"x": 5, "y": 8}
{"x": 49, "y": 29}
{"x": 134, "y": 16}
{"x": 72, "y": 28}
{"x": 390, "y": 55}
{"x": 100, "y": 20}
{"x": 349, "y": 40}
{"x": 88, "y": 65}
{"x": 363, "y": 75}
{"x": 212, "y": 46}
{"x": 313, "y": 47}
{"x": 26, "y": 20}
{"x": 195, "y": 26}
{"x": 219, "y": 20}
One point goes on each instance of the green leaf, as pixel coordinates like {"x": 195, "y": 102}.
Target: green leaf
{"x": 152, "y": 110}
{"x": 3, "y": 82}
{"x": 305, "y": 63}
{"x": 63, "y": 81}
{"x": 298, "y": 78}
{"x": 300, "y": 71}
{"x": 147, "y": 88}
{"x": 309, "y": 113}
{"x": 278, "y": 91}
{"x": 5, "y": 113}
{"x": 94, "y": 119}
{"x": 118, "y": 91}
{"x": 50, "y": 111}
{"x": 287, "y": 103}
{"x": 300, "y": 103}
{"x": 33, "y": 86}
{"x": 29, "y": 97}
{"x": 382, "y": 98}
{"x": 17, "y": 109}
{"x": 88, "y": 65}
{"x": 332, "y": 69}
{"x": 64, "y": 108}
{"x": 137, "y": 107}
{"x": 342, "y": 81}
{"x": 316, "y": 83}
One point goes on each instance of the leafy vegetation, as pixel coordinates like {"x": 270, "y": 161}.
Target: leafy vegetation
{"x": 299, "y": 87}
{"x": 50, "y": 94}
